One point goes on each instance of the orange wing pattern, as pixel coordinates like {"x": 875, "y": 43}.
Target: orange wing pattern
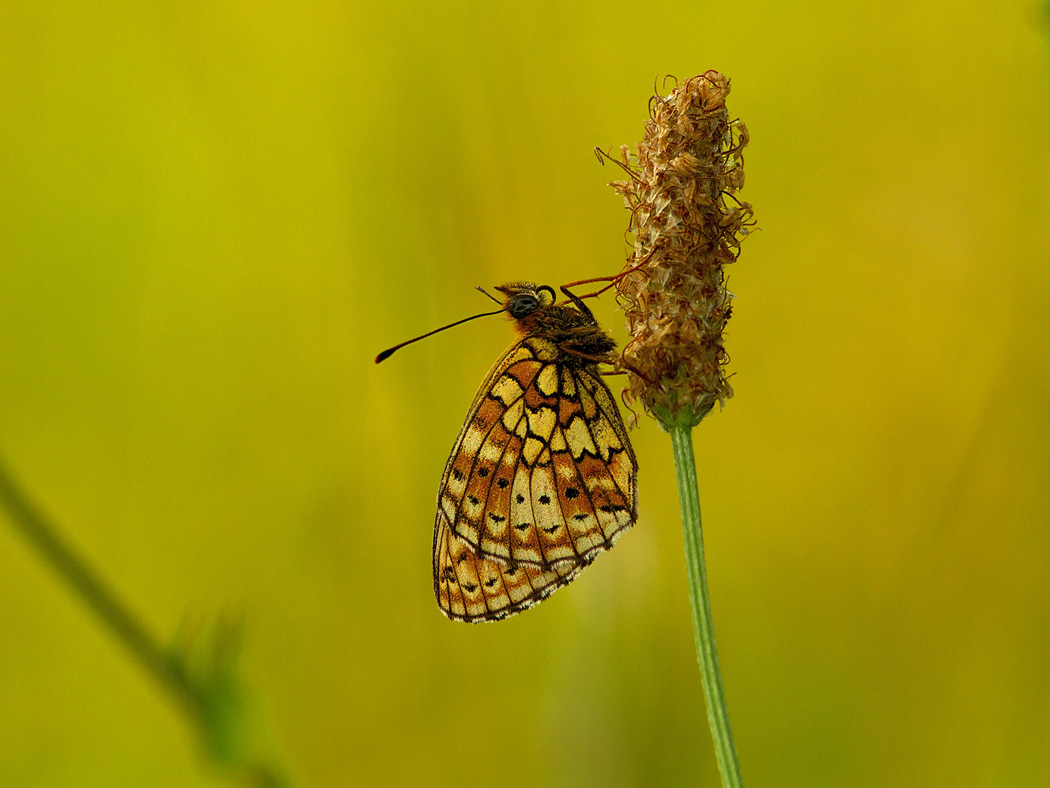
{"x": 541, "y": 479}
{"x": 471, "y": 588}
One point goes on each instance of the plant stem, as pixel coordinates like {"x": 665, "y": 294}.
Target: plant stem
{"x": 703, "y": 624}
{"x": 92, "y": 590}
{"x": 200, "y": 700}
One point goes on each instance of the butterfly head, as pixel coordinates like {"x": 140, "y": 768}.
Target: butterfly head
{"x": 571, "y": 327}
{"x": 533, "y": 310}
{"x": 524, "y": 298}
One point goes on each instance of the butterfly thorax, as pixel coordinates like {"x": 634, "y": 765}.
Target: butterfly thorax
{"x": 575, "y": 333}
{"x": 572, "y": 329}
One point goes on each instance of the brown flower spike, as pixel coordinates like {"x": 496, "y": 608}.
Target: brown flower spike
{"x": 686, "y": 225}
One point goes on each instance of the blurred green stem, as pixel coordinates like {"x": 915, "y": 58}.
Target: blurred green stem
{"x": 703, "y": 624}
{"x": 206, "y": 702}
{"x": 90, "y": 588}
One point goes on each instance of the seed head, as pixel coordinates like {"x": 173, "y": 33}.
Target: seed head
{"x": 685, "y": 226}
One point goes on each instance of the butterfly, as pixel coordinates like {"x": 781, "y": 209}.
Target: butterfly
{"x": 542, "y": 477}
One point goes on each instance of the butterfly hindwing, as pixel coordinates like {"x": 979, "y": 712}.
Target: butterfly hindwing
{"x": 472, "y": 588}
{"x": 542, "y": 475}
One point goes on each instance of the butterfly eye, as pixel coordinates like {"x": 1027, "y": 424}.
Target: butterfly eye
{"x": 522, "y": 305}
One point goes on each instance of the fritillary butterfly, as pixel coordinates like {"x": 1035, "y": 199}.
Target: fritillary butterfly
{"x": 542, "y": 477}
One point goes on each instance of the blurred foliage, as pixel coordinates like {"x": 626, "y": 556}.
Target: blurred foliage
{"x": 213, "y": 217}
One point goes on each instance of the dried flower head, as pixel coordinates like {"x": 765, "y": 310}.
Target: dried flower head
{"x": 686, "y": 225}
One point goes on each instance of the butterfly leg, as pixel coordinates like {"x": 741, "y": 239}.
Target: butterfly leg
{"x": 612, "y": 280}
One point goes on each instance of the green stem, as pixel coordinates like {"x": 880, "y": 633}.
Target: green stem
{"x": 202, "y": 702}
{"x": 703, "y": 624}
{"x": 93, "y": 591}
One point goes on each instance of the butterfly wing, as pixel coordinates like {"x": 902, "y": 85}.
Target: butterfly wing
{"x": 541, "y": 479}
{"x": 474, "y": 589}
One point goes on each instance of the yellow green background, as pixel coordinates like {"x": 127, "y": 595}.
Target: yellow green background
{"x": 213, "y": 215}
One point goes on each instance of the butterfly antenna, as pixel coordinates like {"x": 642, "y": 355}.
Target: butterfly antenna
{"x": 390, "y": 351}
{"x": 481, "y": 289}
